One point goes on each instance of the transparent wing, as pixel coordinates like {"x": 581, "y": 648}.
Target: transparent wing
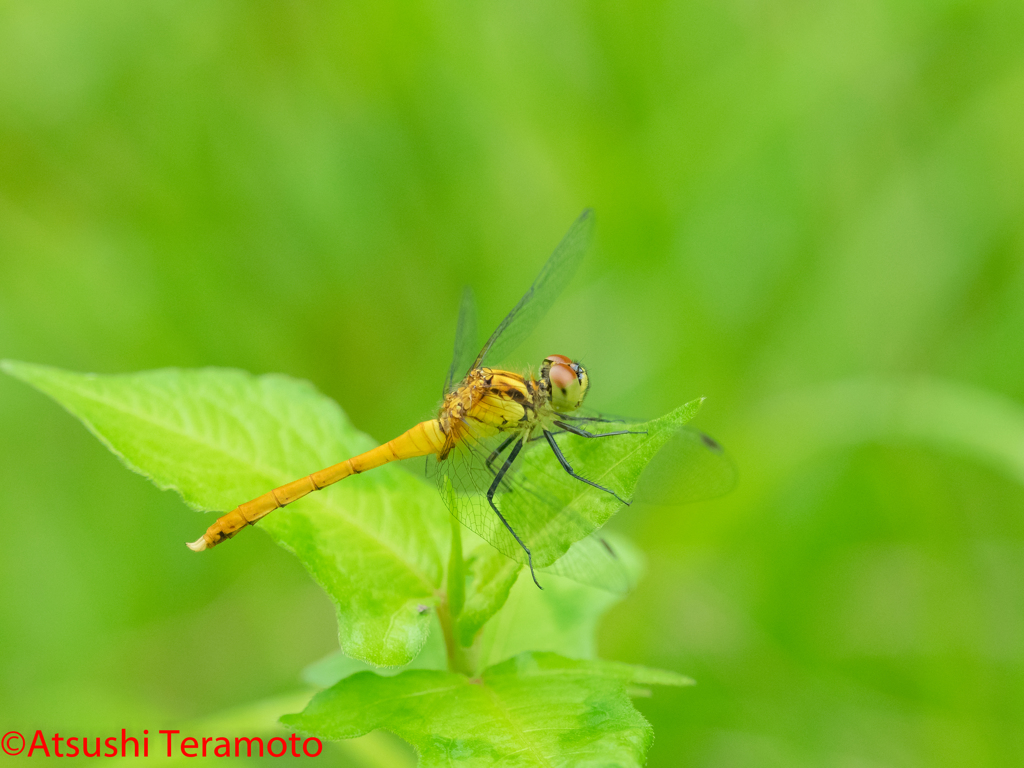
{"x": 553, "y": 277}
{"x": 465, "y": 340}
{"x": 558, "y": 517}
{"x": 596, "y": 561}
{"x": 542, "y": 506}
{"x": 690, "y": 467}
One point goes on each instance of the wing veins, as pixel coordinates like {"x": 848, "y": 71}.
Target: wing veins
{"x": 556, "y": 273}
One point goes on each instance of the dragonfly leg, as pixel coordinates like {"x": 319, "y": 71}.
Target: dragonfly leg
{"x": 541, "y": 437}
{"x": 490, "y": 500}
{"x": 598, "y": 419}
{"x": 566, "y": 466}
{"x": 489, "y": 465}
{"x": 498, "y": 451}
{"x": 583, "y": 433}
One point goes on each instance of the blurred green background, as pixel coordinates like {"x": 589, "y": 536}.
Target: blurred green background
{"x": 811, "y": 213}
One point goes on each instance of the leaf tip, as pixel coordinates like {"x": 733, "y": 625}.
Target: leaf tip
{"x": 10, "y": 367}
{"x": 26, "y": 372}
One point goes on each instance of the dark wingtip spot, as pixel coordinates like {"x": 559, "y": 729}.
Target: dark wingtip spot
{"x": 609, "y": 548}
{"x": 710, "y": 442}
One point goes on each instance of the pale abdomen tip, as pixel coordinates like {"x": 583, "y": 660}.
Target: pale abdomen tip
{"x": 198, "y": 545}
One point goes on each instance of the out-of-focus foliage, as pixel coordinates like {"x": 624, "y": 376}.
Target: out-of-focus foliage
{"x": 810, "y": 214}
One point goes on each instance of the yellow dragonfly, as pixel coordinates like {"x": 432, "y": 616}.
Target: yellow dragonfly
{"x": 490, "y": 423}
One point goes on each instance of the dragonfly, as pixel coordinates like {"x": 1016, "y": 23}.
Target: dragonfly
{"x": 484, "y": 446}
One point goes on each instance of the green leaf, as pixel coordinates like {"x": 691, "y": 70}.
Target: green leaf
{"x": 551, "y": 511}
{"x": 375, "y": 542}
{"x": 562, "y": 618}
{"x": 490, "y": 576}
{"x": 336, "y": 666}
{"x": 555, "y": 514}
{"x": 262, "y": 718}
{"x": 537, "y": 709}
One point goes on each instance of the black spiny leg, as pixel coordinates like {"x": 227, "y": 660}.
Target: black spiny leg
{"x": 489, "y": 464}
{"x": 583, "y": 433}
{"x": 498, "y": 451}
{"x": 541, "y": 437}
{"x": 569, "y": 469}
{"x": 598, "y": 419}
{"x": 490, "y": 500}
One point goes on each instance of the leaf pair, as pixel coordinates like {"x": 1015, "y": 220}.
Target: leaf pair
{"x": 378, "y": 544}
{"x": 536, "y": 709}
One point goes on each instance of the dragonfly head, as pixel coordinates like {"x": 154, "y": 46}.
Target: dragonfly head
{"x": 567, "y": 382}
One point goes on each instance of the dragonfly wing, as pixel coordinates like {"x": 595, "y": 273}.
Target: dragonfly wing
{"x": 539, "y": 502}
{"x": 465, "y": 340}
{"x": 598, "y": 562}
{"x": 464, "y": 478}
{"x": 556, "y": 516}
{"x": 554, "y": 276}
{"x": 691, "y": 466}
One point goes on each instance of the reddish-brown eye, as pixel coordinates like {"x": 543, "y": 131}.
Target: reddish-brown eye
{"x": 561, "y": 375}
{"x": 558, "y": 359}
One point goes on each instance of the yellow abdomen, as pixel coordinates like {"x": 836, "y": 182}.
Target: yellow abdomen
{"x": 425, "y": 438}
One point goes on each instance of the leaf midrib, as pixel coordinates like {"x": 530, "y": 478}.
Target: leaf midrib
{"x": 514, "y": 725}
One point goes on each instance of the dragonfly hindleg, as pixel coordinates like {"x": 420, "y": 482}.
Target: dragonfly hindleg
{"x": 568, "y": 468}
{"x": 490, "y": 500}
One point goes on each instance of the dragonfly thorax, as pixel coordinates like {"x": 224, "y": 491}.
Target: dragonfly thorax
{"x": 461, "y": 400}
{"x": 490, "y": 400}
{"x": 565, "y": 381}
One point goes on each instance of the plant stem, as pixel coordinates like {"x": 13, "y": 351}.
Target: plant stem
{"x": 451, "y": 604}
{"x": 456, "y": 581}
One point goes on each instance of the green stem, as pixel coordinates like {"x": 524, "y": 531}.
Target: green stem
{"x": 456, "y": 571}
{"x": 452, "y": 602}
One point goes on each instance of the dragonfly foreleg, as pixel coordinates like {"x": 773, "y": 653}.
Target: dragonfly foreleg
{"x": 490, "y": 500}
{"x": 568, "y": 468}
{"x": 583, "y": 433}
{"x": 598, "y": 419}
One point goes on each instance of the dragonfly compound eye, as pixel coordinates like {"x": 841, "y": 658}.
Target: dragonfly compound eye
{"x": 568, "y": 382}
{"x": 553, "y": 359}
